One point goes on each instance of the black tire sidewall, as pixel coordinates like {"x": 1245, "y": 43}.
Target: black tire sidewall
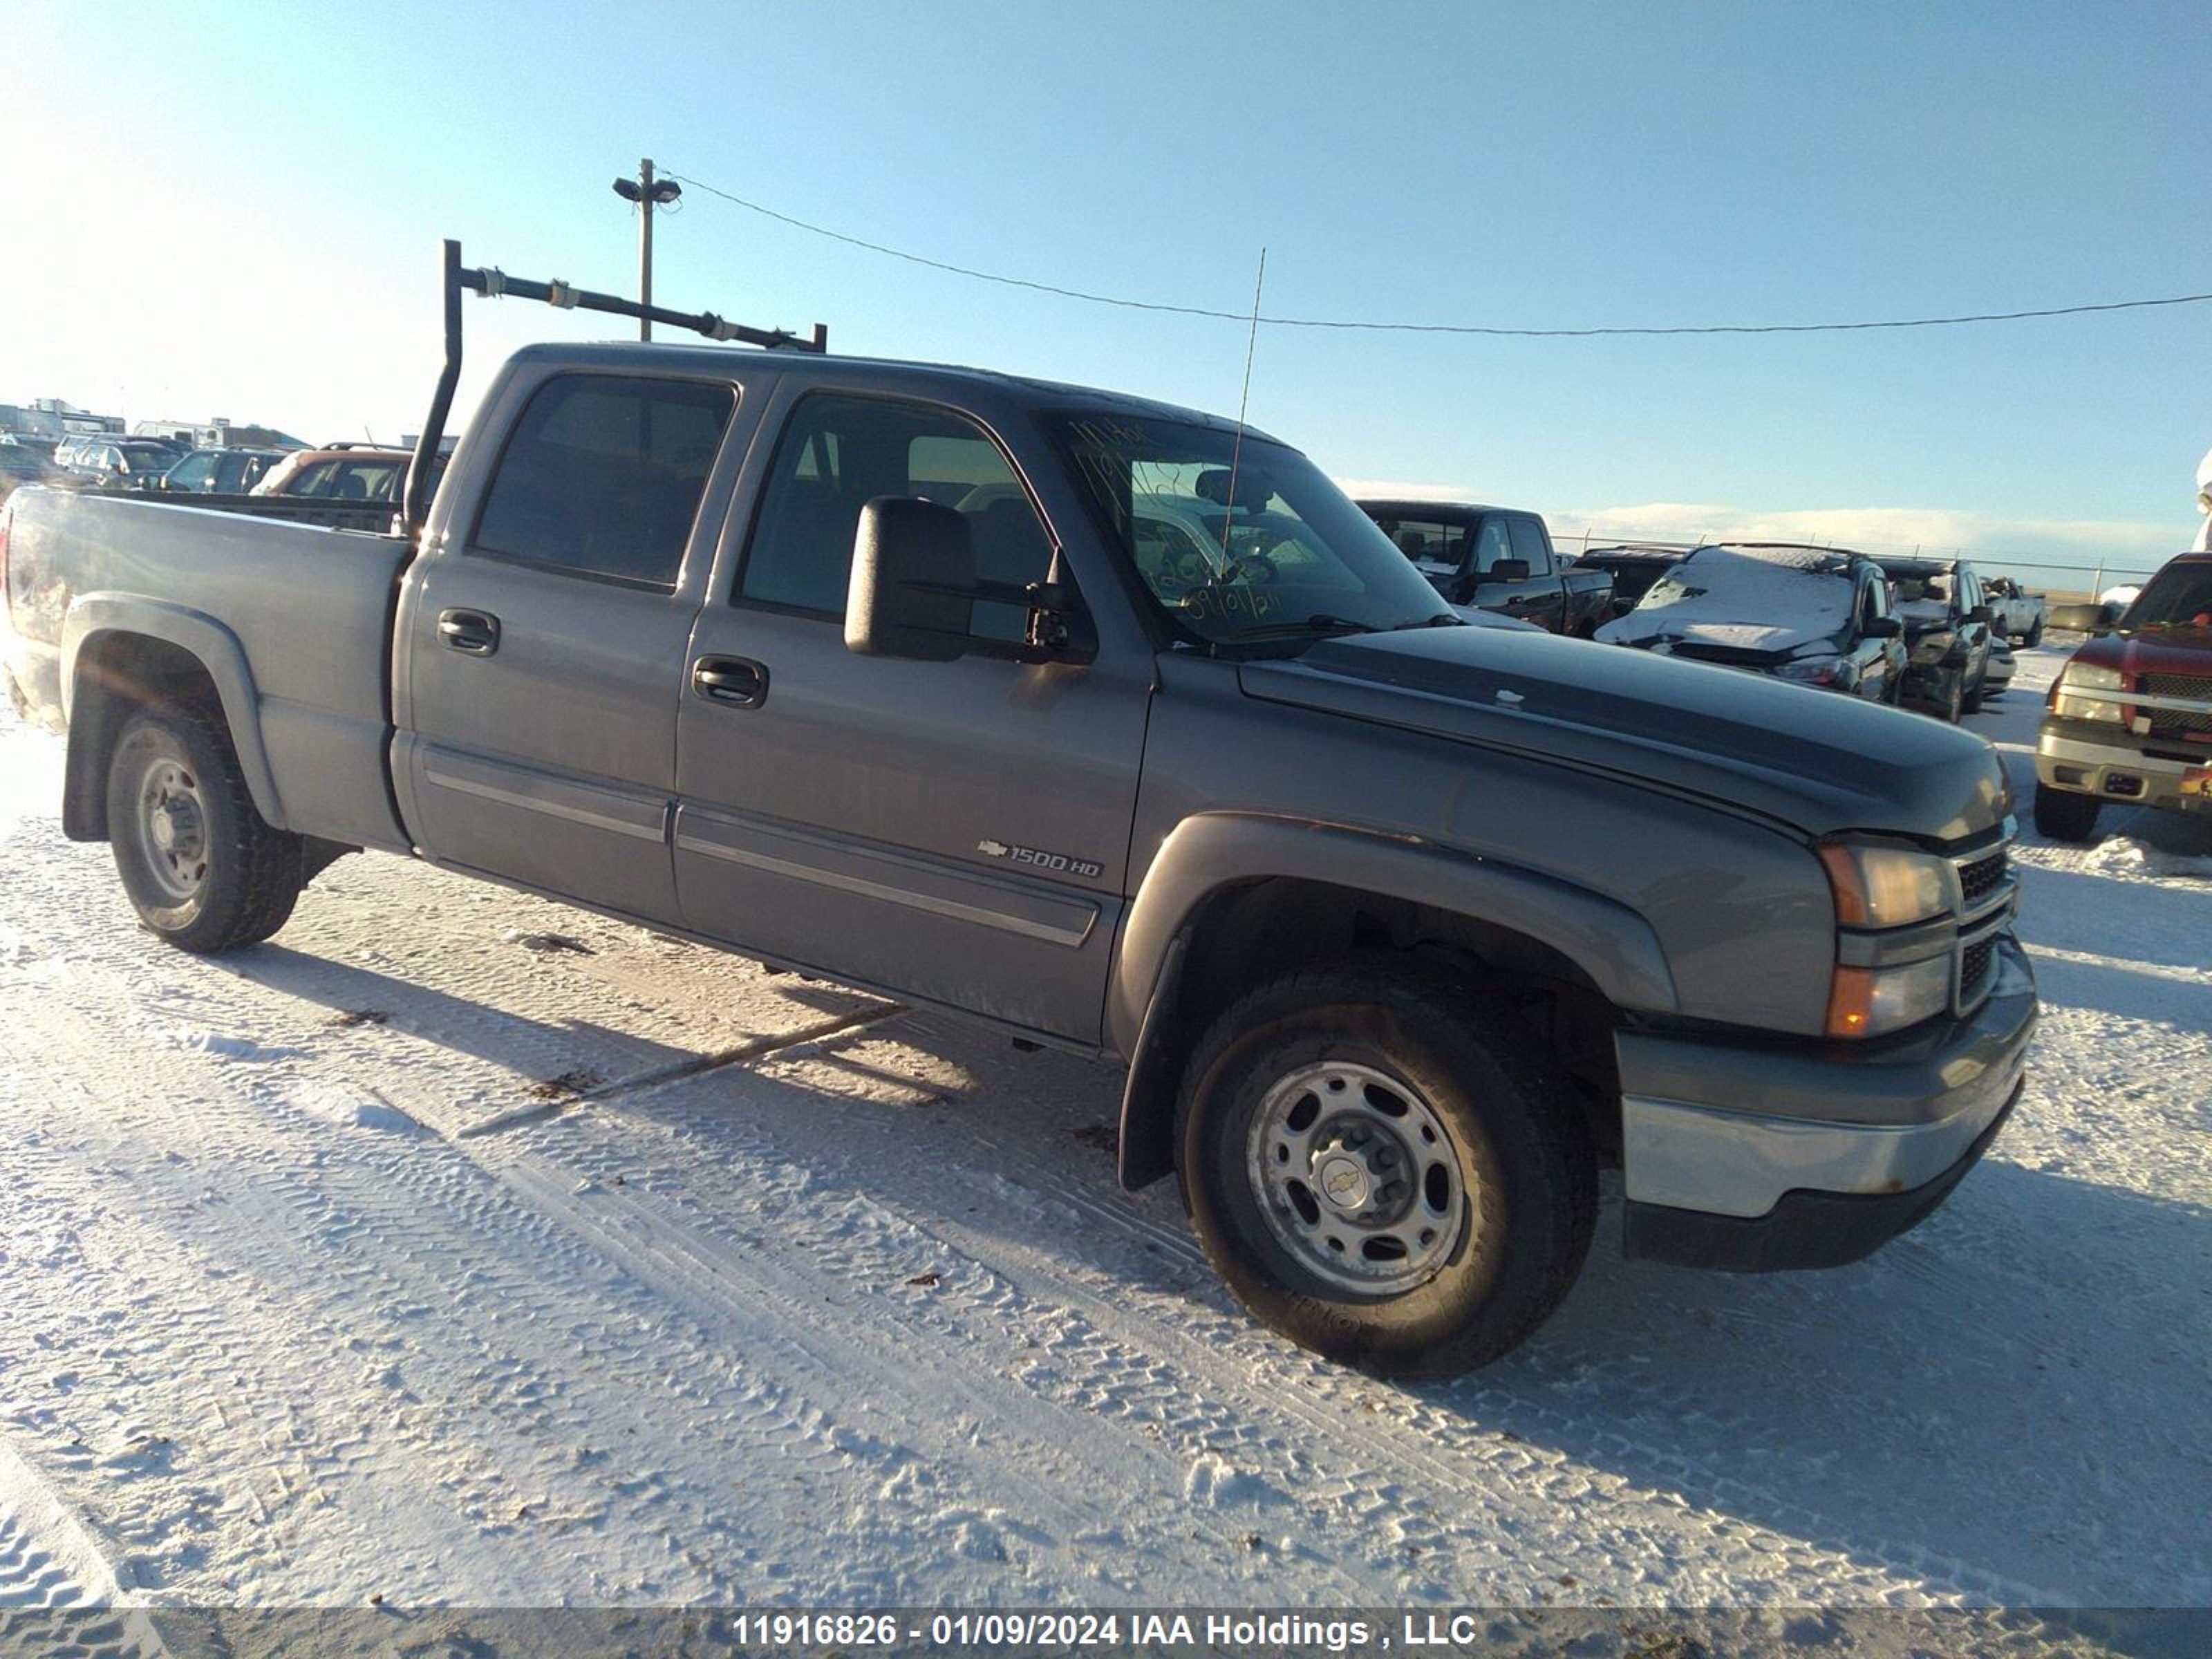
{"x": 1500, "y": 1279}
{"x": 209, "y": 919}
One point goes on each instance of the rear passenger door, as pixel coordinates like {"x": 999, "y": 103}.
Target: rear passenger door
{"x": 542, "y": 647}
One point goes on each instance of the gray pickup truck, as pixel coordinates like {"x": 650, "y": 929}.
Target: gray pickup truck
{"x": 1119, "y": 728}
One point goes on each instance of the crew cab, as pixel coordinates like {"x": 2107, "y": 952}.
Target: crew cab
{"x": 1949, "y": 629}
{"x": 1813, "y": 615}
{"x": 1497, "y": 559}
{"x": 883, "y": 671}
{"x": 2129, "y": 717}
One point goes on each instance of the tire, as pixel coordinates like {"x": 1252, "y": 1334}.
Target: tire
{"x": 205, "y": 872}
{"x": 1952, "y": 703}
{"x": 1509, "y": 1176}
{"x": 2065, "y": 814}
{"x": 2034, "y": 636}
{"x": 1970, "y": 702}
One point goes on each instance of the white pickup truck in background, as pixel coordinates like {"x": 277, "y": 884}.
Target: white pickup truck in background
{"x": 2019, "y": 615}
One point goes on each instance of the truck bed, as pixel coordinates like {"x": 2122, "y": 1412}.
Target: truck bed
{"x": 305, "y": 617}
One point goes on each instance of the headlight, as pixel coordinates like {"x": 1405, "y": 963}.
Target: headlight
{"x": 2087, "y": 677}
{"x": 1865, "y": 1002}
{"x": 1812, "y": 670}
{"x": 1886, "y": 887}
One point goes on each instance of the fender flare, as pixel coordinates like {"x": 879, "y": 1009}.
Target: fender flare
{"x": 92, "y": 617}
{"x": 1209, "y": 852}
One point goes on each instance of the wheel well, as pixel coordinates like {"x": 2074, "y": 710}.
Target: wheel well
{"x": 1260, "y": 930}
{"x": 118, "y": 674}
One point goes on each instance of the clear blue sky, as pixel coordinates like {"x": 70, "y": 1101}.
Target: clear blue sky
{"x": 234, "y": 209}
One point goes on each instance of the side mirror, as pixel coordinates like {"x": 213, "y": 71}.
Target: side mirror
{"x": 912, "y": 589}
{"x": 2084, "y": 618}
{"x": 1506, "y": 570}
{"x": 1981, "y": 613}
{"x": 1883, "y": 628}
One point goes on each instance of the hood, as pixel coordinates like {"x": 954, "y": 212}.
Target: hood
{"x": 1760, "y": 638}
{"x": 2152, "y": 651}
{"x": 1811, "y": 759}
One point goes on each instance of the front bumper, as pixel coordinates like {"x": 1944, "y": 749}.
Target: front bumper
{"x": 1752, "y": 1155}
{"x": 2095, "y": 759}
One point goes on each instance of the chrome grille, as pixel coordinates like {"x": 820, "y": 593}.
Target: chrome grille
{"x": 2193, "y": 686}
{"x": 1982, "y": 877}
{"x": 1974, "y": 965}
{"x": 1986, "y": 888}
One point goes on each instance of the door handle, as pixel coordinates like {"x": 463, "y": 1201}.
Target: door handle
{"x": 474, "y": 632}
{"x": 738, "y": 682}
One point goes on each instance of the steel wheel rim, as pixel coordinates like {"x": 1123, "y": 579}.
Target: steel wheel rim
{"x": 172, "y": 829}
{"x": 1356, "y": 1175}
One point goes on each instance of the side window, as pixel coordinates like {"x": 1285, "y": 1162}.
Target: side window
{"x": 1877, "y": 600}
{"x": 837, "y": 453}
{"x": 602, "y": 478}
{"x": 312, "y": 479}
{"x": 1491, "y": 545}
{"x": 1530, "y": 543}
{"x": 1435, "y": 548}
{"x": 366, "y": 481}
{"x": 193, "y": 470}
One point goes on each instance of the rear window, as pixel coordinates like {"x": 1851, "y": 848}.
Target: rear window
{"x": 602, "y": 476}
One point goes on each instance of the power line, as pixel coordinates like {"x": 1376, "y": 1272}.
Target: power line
{"x": 1356, "y": 324}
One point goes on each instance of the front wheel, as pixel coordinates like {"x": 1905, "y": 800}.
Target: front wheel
{"x": 2065, "y": 814}
{"x": 1970, "y": 702}
{"x": 204, "y": 869}
{"x": 1379, "y": 1175}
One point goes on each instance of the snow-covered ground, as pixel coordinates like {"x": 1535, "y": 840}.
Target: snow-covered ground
{"x": 415, "y": 1256}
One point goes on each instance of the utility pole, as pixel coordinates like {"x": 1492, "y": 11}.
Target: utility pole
{"x": 647, "y": 193}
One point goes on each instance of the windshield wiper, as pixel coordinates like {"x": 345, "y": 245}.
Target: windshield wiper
{"x": 1322, "y": 623}
{"x": 1319, "y": 623}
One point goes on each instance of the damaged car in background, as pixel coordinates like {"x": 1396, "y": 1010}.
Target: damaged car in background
{"x": 1949, "y": 633}
{"x": 1813, "y": 615}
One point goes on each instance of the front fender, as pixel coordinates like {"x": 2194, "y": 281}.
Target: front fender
{"x": 93, "y": 618}
{"x": 1211, "y": 851}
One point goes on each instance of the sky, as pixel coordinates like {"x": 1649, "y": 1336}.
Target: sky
{"x": 235, "y": 209}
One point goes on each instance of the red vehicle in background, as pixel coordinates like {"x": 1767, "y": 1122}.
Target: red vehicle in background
{"x": 2130, "y": 717}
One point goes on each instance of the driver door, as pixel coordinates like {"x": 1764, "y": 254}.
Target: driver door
{"x": 955, "y": 831}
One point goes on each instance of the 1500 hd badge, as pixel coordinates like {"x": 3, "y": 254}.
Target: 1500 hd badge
{"x": 1058, "y": 864}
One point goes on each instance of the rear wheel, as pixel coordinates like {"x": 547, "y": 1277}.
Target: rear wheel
{"x": 1379, "y": 1176}
{"x": 2034, "y": 635}
{"x": 205, "y": 872}
{"x": 2065, "y": 814}
{"x": 1971, "y": 702}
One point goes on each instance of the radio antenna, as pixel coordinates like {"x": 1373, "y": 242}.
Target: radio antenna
{"x": 1244, "y": 403}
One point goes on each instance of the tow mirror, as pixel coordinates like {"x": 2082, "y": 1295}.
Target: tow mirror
{"x": 912, "y": 589}
{"x": 1883, "y": 628}
{"x": 2084, "y": 618}
{"x": 1506, "y": 570}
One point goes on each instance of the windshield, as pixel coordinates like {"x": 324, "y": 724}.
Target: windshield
{"x": 2180, "y": 596}
{"x": 1239, "y": 546}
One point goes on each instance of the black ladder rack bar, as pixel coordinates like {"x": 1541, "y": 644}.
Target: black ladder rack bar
{"x": 457, "y": 279}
